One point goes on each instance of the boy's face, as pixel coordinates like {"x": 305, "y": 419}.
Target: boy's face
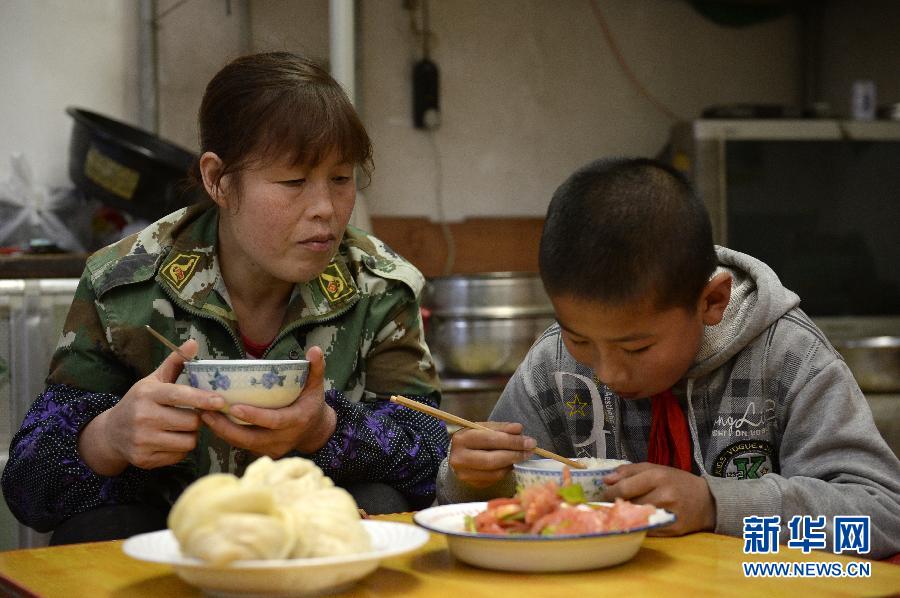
{"x": 638, "y": 350}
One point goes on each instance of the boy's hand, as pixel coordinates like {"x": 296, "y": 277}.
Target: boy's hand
{"x": 481, "y": 457}
{"x": 685, "y": 494}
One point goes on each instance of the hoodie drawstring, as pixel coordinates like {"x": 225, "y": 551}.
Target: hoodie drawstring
{"x": 692, "y": 424}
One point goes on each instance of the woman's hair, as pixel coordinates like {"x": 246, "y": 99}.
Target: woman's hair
{"x": 623, "y": 230}
{"x": 277, "y": 106}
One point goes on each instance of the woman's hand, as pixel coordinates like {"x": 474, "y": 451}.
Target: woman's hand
{"x": 481, "y": 457}
{"x": 685, "y": 494}
{"x": 304, "y": 425}
{"x": 149, "y": 427}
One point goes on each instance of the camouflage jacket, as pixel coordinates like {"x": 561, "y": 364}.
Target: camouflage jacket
{"x": 362, "y": 311}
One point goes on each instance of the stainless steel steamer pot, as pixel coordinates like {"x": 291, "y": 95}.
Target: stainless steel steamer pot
{"x": 484, "y": 324}
{"x": 874, "y": 361}
{"x": 472, "y": 398}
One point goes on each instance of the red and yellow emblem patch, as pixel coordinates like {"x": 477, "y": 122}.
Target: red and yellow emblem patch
{"x": 334, "y": 284}
{"x": 180, "y": 269}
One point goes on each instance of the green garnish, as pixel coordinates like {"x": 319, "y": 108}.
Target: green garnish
{"x": 470, "y": 523}
{"x": 573, "y": 494}
{"x": 550, "y": 530}
{"x": 516, "y": 516}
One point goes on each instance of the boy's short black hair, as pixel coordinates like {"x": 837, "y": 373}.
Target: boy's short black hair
{"x": 626, "y": 229}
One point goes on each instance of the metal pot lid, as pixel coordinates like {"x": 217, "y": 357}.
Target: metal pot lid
{"x": 489, "y": 294}
{"x": 483, "y": 277}
{"x": 487, "y": 383}
{"x": 494, "y": 312}
{"x": 869, "y": 342}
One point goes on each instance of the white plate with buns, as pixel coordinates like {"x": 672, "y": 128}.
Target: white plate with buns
{"x": 279, "y": 577}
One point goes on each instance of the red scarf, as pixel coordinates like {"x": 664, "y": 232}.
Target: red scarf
{"x": 670, "y": 440}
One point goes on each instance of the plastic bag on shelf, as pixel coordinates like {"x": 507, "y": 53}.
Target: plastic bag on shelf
{"x": 31, "y": 211}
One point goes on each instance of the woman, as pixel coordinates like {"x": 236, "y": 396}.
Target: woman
{"x": 268, "y": 269}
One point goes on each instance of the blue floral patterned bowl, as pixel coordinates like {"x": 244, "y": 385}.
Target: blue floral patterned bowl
{"x": 268, "y": 383}
{"x": 539, "y": 471}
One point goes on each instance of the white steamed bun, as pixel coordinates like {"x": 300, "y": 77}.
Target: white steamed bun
{"x": 279, "y": 509}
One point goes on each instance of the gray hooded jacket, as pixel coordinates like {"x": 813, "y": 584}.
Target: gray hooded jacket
{"x": 778, "y": 424}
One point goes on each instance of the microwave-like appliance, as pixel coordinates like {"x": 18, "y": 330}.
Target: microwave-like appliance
{"x": 817, "y": 200}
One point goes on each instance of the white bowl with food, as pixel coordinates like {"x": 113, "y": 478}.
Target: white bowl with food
{"x": 267, "y": 383}
{"x": 529, "y": 553}
{"x": 279, "y": 577}
{"x": 540, "y": 471}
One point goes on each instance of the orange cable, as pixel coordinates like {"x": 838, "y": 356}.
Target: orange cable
{"x": 610, "y": 40}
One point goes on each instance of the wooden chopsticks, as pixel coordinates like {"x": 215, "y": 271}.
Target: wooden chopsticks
{"x": 459, "y": 421}
{"x": 168, "y": 343}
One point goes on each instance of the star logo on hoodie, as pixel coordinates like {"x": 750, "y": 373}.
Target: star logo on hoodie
{"x": 576, "y": 405}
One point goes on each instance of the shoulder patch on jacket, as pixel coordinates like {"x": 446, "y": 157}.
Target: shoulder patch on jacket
{"x": 335, "y": 283}
{"x": 180, "y": 268}
{"x": 381, "y": 260}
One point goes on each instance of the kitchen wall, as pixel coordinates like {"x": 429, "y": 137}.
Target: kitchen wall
{"x": 530, "y": 90}
{"x": 195, "y": 39}
{"x": 56, "y": 53}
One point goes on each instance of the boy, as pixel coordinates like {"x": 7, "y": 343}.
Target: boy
{"x": 750, "y": 412}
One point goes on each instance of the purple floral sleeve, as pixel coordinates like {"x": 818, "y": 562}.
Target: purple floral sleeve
{"x": 385, "y": 442}
{"x": 45, "y": 481}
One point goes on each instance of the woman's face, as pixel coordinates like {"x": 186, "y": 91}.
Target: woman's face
{"x": 286, "y": 221}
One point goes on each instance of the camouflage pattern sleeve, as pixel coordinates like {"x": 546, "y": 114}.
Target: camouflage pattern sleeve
{"x": 45, "y": 481}
{"x": 385, "y": 442}
{"x": 83, "y": 357}
{"x": 398, "y": 360}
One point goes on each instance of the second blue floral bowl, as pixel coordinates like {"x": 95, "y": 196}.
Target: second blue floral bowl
{"x": 540, "y": 471}
{"x": 268, "y": 383}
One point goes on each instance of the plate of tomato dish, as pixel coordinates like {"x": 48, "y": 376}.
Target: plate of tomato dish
{"x": 544, "y": 528}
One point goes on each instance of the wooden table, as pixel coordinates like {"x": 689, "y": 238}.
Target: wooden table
{"x": 698, "y": 564}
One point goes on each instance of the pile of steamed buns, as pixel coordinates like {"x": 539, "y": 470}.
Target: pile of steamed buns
{"x": 279, "y": 509}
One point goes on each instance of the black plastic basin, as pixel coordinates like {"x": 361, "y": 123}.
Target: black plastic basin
{"x": 128, "y": 168}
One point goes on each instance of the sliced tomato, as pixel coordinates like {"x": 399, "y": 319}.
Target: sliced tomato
{"x": 499, "y": 502}
{"x": 626, "y": 515}
{"x": 539, "y": 500}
